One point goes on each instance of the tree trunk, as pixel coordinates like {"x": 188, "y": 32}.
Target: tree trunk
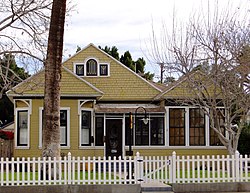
{"x": 53, "y": 65}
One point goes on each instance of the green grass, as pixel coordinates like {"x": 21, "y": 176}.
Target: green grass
{"x": 196, "y": 176}
{"x": 81, "y": 176}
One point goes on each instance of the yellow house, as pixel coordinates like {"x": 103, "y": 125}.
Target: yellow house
{"x": 107, "y": 110}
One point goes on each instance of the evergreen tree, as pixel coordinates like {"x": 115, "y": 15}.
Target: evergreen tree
{"x": 12, "y": 74}
{"x": 137, "y": 66}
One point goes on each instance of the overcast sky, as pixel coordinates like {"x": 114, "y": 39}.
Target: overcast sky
{"x": 124, "y": 24}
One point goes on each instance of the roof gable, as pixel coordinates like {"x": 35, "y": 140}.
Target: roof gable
{"x": 122, "y": 84}
{"x": 190, "y": 85}
{"x": 71, "y": 85}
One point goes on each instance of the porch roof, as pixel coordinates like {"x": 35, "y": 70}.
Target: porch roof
{"x": 128, "y": 108}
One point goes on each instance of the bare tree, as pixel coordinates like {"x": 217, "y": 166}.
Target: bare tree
{"x": 212, "y": 52}
{"x": 23, "y": 34}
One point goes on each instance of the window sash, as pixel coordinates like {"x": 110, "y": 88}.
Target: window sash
{"x": 99, "y": 131}
{"x": 213, "y": 136}
{"x": 22, "y": 128}
{"x": 157, "y": 131}
{"x": 151, "y": 134}
{"x": 103, "y": 70}
{"x": 86, "y": 127}
{"x": 91, "y": 66}
{"x": 177, "y": 127}
{"x": 141, "y": 131}
{"x": 196, "y": 127}
{"x": 64, "y": 127}
{"x": 80, "y": 69}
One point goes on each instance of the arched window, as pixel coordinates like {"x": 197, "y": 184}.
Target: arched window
{"x": 91, "y": 67}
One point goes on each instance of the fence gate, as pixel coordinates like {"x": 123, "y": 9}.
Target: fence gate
{"x": 157, "y": 168}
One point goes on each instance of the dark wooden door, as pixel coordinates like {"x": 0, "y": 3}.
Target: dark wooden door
{"x": 113, "y": 137}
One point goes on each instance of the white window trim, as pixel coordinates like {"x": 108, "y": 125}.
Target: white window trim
{"x": 74, "y": 68}
{"x": 91, "y": 129}
{"x": 68, "y": 128}
{"x": 98, "y": 67}
{"x": 187, "y": 126}
{"x": 99, "y": 75}
{"x": 16, "y": 126}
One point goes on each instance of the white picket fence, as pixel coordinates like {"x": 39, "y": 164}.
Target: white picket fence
{"x": 129, "y": 170}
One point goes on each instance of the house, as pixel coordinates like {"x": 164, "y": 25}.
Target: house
{"x": 107, "y": 109}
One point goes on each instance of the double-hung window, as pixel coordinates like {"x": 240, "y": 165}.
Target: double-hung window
{"x": 85, "y": 127}
{"x": 64, "y": 127}
{"x": 22, "y": 128}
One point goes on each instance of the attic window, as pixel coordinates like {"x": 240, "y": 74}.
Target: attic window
{"x": 80, "y": 70}
{"x": 103, "y": 70}
{"x": 91, "y": 66}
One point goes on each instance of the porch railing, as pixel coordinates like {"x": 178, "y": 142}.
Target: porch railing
{"x": 129, "y": 170}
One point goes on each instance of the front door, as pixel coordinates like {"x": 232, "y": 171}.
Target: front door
{"x": 113, "y": 137}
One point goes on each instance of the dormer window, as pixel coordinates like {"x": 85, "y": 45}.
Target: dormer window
{"x": 92, "y": 68}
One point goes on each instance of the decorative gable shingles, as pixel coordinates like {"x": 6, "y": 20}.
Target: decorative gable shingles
{"x": 122, "y": 84}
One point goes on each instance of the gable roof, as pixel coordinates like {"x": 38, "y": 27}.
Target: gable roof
{"x": 71, "y": 85}
{"x": 179, "y": 88}
{"x": 122, "y": 84}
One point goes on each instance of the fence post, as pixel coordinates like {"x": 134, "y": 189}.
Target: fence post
{"x": 237, "y": 166}
{"x": 173, "y": 167}
{"x": 69, "y": 168}
{"x": 139, "y": 168}
{"x": 1, "y": 172}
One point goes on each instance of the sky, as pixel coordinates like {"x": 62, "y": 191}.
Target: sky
{"x": 125, "y": 24}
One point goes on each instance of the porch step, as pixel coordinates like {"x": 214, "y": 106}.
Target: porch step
{"x": 159, "y": 192}
{"x": 155, "y": 187}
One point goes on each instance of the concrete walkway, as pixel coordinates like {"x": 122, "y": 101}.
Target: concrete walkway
{"x": 155, "y": 187}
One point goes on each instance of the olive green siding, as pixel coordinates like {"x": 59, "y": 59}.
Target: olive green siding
{"x": 122, "y": 84}
{"x": 70, "y": 85}
{"x": 34, "y": 149}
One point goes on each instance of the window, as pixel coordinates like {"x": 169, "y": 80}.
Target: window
{"x": 22, "y": 128}
{"x": 151, "y": 133}
{"x": 177, "y": 126}
{"x": 157, "y": 130}
{"x": 64, "y": 127}
{"x": 91, "y": 66}
{"x": 141, "y": 131}
{"x": 85, "y": 127}
{"x": 214, "y": 139}
{"x": 129, "y": 136}
{"x": 99, "y": 131}
{"x": 196, "y": 127}
{"x": 80, "y": 69}
{"x": 103, "y": 70}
